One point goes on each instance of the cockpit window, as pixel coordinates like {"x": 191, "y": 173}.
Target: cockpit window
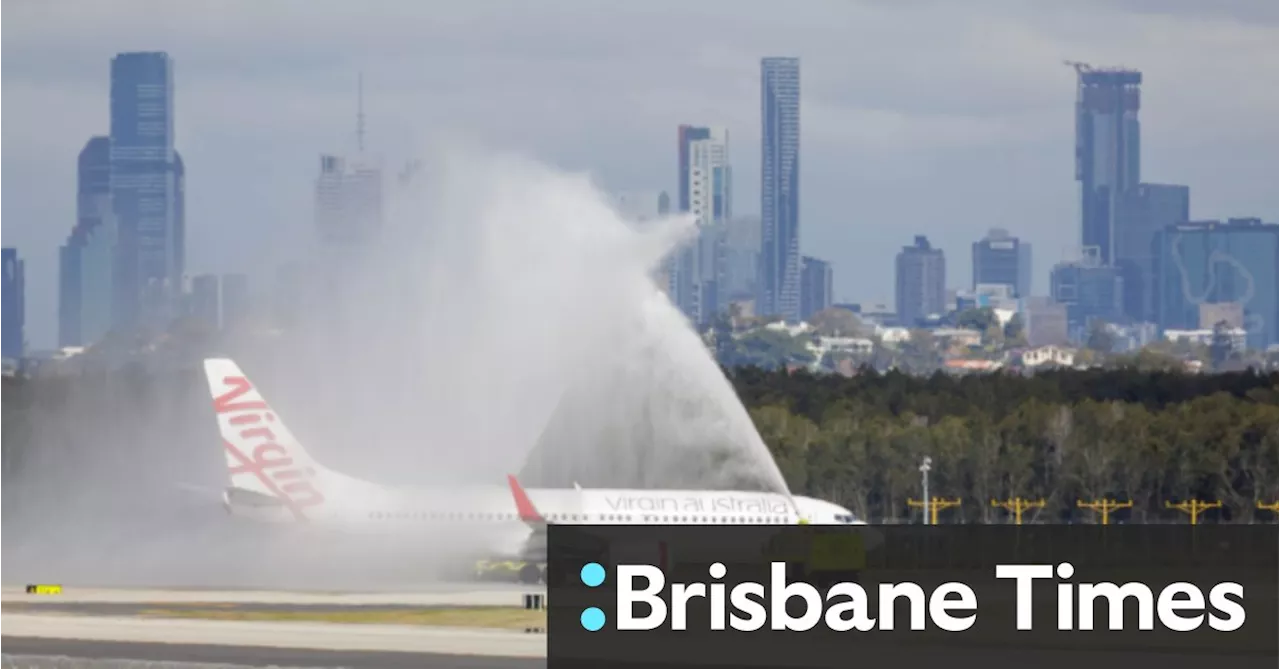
{"x": 846, "y": 518}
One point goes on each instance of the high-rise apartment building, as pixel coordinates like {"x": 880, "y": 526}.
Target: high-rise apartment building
{"x": 780, "y": 188}
{"x": 146, "y": 190}
{"x": 1001, "y": 259}
{"x": 13, "y": 296}
{"x": 921, "y": 282}
{"x": 1218, "y": 262}
{"x": 1107, "y": 150}
{"x": 706, "y": 192}
{"x": 1142, "y": 212}
{"x": 816, "y": 284}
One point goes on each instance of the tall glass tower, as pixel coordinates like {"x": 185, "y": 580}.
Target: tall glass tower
{"x": 1107, "y": 148}
{"x": 145, "y": 190}
{"x": 780, "y": 188}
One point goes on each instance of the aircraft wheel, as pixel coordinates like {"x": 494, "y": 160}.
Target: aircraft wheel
{"x": 530, "y": 574}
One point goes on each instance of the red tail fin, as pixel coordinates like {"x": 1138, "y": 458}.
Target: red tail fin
{"x": 524, "y": 506}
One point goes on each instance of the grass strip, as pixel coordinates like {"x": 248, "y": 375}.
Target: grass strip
{"x": 493, "y": 617}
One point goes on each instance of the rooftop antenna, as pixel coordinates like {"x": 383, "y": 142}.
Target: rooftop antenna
{"x": 360, "y": 112}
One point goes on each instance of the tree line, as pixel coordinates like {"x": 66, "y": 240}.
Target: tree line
{"x": 1148, "y": 437}
{"x": 1061, "y": 436}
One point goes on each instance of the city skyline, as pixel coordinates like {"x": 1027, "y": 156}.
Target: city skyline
{"x": 913, "y": 151}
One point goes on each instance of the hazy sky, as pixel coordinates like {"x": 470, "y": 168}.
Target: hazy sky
{"x": 936, "y": 117}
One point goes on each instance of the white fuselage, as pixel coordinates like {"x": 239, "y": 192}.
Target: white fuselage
{"x": 491, "y": 512}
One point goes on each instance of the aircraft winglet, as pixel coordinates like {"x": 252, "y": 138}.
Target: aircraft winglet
{"x": 524, "y": 506}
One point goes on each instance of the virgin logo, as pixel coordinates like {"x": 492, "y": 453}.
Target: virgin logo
{"x": 269, "y": 462}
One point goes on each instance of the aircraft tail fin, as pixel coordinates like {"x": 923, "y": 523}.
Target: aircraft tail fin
{"x": 524, "y": 506}
{"x": 262, "y": 455}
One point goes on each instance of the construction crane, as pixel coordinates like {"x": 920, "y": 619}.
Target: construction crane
{"x": 1078, "y": 66}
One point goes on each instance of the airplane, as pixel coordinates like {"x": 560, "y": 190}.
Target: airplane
{"x": 274, "y": 480}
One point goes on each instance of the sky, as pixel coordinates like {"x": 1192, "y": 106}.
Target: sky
{"x": 930, "y": 117}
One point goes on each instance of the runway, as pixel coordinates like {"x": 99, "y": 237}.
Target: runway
{"x": 101, "y": 623}
{"x": 468, "y": 594}
{"x": 240, "y": 656}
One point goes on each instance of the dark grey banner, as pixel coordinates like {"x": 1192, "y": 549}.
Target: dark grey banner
{"x": 913, "y": 596}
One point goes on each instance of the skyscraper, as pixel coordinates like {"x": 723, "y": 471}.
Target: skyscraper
{"x": 13, "y": 296}
{"x": 780, "y": 188}
{"x": 1107, "y": 148}
{"x": 1142, "y": 212}
{"x": 815, "y": 286}
{"x": 348, "y": 200}
{"x": 1002, "y": 259}
{"x": 706, "y": 191}
{"x": 146, "y": 176}
{"x": 85, "y": 261}
{"x": 741, "y": 259}
{"x": 1089, "y": 290}
{"x": 921, "y": 285}
{"x": 1216, "y": 262}
{"x": 236, "y": 301}
{"x": 204, "y": 305}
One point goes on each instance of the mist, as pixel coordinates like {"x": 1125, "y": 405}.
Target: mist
{"x": 505, "y": 319}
